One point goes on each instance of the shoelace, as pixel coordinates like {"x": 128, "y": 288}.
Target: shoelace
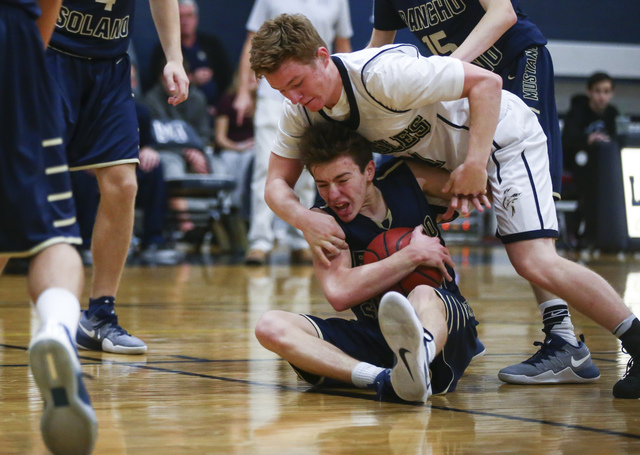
{"x": 112, "y": 319}
{"x": 631, "y": 366}
{"x": 541, "y": 354}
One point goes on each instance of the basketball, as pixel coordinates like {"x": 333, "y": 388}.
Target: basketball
{"x": 390, "y": 242}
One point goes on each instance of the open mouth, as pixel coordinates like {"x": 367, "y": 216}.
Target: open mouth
{"x": 341, "y": 208}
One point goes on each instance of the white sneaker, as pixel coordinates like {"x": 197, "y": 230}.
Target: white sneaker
{"x": 68, "y": 425}
{"x": 405, "y": 335}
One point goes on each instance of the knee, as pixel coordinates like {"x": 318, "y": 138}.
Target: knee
{"x": 535, "y": 268}
{"x": 424, "y": 298}
{"x": 271, "y": 331}
{"x": 119, "y": 184}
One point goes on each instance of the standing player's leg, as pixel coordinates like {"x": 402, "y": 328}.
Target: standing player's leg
{"x": 589, "y": 293}
{"x": 68, "y": 424}
{"x": 99, "y": 328}
{"x": 30, "y": 186}
{"x": 535, "y": 64}
{"x": 261, "y": 235}
{"x": 102, "y": 134}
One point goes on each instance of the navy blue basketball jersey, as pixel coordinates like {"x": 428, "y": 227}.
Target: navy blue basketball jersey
{"x": 94, "y": 28}
{"x": 31, "y": 6}
{"x": 442, "y": 25}
{"x": 408, "y": 208}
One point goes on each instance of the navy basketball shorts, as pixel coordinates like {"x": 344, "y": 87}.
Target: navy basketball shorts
{"x": 531, "y": 78}
{"x": 30, "y": 189}
{"x": 101, "y": 126}
{"x": 364, "y": 342}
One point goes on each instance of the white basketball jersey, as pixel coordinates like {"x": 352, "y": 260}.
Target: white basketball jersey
{"x": 408, "y": 105}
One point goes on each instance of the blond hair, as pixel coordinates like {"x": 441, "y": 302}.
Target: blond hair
{"x": 286, "y": 37}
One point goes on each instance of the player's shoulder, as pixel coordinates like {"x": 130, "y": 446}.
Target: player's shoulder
{"x": 380, "y": 55}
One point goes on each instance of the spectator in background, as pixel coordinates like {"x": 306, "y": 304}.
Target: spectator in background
{"x": 332, "y": 19}
{"x": 591, "y": 120}
{"x": 235, "y": 143}
{"x": 182, "y": 157}
{"x": 194, "y": 113}
{"x": 208, "y": 65}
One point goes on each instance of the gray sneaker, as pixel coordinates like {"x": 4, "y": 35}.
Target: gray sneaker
{"x": 557, "y": 362}
{"x": 405, "y": 335}
{"x": 68, "y": 424}
{"x": 101, "y": 332}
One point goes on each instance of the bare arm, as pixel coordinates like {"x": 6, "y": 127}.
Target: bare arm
{"x": 432, "y": 180}
{"x": 342, "y": 45}
{"x": 320, "y": 230}
{"x": 167, "y": 20}
{"x": 243, "y": 102}
{"x": 484, "y": 92}
{"x": 499, "y": 17}
{"x": 47, "y": 20}
{"x": 381, "y": 37}
{"x": 345, "y": 286}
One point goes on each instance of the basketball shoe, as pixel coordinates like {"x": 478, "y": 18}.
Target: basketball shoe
{"x": 555, "y": 362}
{"x": 101, "y": 332}
{"x": 629, "y": 385}
{"x": 68, "y": 425}
{"x": 405, "y": 335}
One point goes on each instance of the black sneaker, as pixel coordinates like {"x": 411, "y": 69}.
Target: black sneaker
{"x": 629, "y": 386}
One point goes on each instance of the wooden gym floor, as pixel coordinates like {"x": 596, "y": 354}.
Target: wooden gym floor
{"x": 206, "y": 386}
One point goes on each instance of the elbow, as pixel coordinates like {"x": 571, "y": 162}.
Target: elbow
{"x": 268, "y": 196}
{"x": 492, "y": 84}
{"x": 337, "y": 300}
{"x": 511, "y": 17}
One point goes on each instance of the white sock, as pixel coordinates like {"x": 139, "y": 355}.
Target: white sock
{"x": 622, "y": 328}
{"x": 60, "y": 305}
{"x": 556, "y": 317}
{"x": 364, "y": 374}
{"x": 430, "y": 345}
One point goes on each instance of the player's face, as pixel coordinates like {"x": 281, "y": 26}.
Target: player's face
{"x": 343, "y": 186}
{"x": 308, "y": 84}
{"x": 600, "y": 95}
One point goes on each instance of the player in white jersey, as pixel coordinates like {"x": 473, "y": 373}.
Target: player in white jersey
{"x": 401, "y": 121}
{"x": 454, "y": 115}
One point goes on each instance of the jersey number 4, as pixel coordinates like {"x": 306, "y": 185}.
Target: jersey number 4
{"x": 108, "y": 4}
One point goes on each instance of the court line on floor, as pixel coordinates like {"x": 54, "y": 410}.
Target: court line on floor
{"x": 346, "y": 394}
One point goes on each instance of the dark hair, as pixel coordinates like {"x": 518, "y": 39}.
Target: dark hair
{"x": 325, "y": 141}
{"x": 287, "y": 37}
{"x": 598, "y": 77}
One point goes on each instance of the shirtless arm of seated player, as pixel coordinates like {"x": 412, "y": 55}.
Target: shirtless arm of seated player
{"x": 345, "y": 286}
{"x": 432, "y": 180}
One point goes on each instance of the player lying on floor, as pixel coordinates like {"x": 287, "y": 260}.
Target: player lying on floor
{"x": 396, "y": 339}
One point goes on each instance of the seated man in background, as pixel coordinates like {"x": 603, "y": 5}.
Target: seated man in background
{"x": 182, "y": 133}
{"x": 396, "y": 339}
{"x": 209, "y": 66}
{"x": 590, "y": 122}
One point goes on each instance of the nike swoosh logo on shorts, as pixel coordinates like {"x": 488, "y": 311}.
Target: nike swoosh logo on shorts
{"x": 403, "y": 352}
{"x": 577, "y": 363}
{"x": 511, "y": 77}
{"x": 92, "y": 333}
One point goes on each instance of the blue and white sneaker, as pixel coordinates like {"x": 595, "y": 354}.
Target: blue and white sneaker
{"x": 557, "y": 362}
{"x": 405, "y": 335}
{"x": 101, "y": 332}
{"x": 68, "y": 425}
